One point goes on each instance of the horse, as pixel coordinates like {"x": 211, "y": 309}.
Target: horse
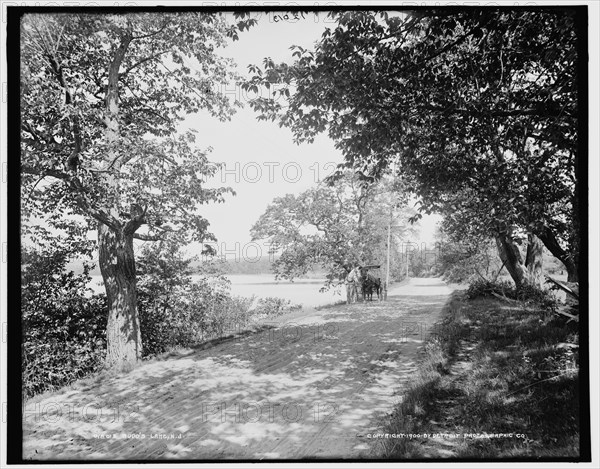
{"x": 369, "y": 285}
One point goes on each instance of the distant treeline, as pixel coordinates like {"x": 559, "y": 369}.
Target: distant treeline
{"x": 262, "y": 266}
{"x": 241, "y": 266}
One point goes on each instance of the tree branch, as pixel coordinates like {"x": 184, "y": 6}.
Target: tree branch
{"x": 143, "y": 237}
{"x": 137, "y": 64}
{"x": 549, "y": 239}
{"x": 144, "y": 107}
{"x": 78, "y": 192}
{"x": 112, "y": 102}
{"x": 564, "y": 288}
{"x": 403, "y": 30}
{"x": 154, "y": 33}
{"x": 454, "y": 43}
{"x": 28, "y": 128}
{"x": 137, "y": 218}
{"x": 73, "y": 159}
{"x": 44, "y": 172}
{"x": 539, "y": 110}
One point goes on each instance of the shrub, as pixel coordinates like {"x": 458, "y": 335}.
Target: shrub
{"x": 198, "y": 312}
{"x": 536, "y": 295}
{"x": 273, "y": 307}
{"x": 64, "y": 326}
{"x": 210, "y": 311}
{"x": 527, "y": 293}
{"x": 176, "y": 311}
{"x": 486, "y": 288}
{"x": 189, "y": 314}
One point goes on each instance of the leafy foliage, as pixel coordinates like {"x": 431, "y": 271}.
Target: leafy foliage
{"x": 176, "y": 311}
{"x": 423, "y": 263}
{"x": 273, "y": 307}
{"x": 64, "y": 325}
{"x": 169, "y": 69}
{"x": 199, "y": 312}
{"x": 486, "y": 288}
{"x": 463, "y": 257}
{"x": 478, "y": 108}
{"x": 539, "y": 297}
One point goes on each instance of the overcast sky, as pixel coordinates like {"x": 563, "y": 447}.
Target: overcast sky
{"x": 260, "y": 158}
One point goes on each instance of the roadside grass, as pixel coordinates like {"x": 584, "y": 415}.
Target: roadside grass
{"x": 491, "y": 368}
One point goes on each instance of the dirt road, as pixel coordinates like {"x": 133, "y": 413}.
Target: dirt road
{"x": 313, "y": 387}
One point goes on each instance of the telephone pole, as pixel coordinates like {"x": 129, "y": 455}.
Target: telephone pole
{"x": 387, "y": 269}
{"x": 407, "y": 259}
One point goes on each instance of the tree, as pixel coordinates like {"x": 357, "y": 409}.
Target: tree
{"x": 482, "y": 101}
{"x": 336, "y": 226}
{"x": 101, "y": 98}
{"x": 470, "y": 219}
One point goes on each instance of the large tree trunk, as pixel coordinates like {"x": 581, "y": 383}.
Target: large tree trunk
{"x": 115, "y": 242}
{"x": 528, "y": 272}
{"x": 511, "y": 257}
{"x": 117, "y": 264}
{"x": 569, "y": 260}
{"x": 534, "y": 259}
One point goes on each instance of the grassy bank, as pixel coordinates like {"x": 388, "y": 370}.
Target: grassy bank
{"x": 499, "y": 380}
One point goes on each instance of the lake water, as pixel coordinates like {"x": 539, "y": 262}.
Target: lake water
{"x": 301, "y": 291}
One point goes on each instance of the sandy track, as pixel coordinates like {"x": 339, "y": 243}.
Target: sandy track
{"x": 313, "y": 387}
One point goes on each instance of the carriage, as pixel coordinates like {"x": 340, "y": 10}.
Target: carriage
{"x": 360, "y": 281}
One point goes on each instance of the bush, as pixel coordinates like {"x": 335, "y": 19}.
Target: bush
{"x": 198, "y": 312}
{"x": 486, "y": 288}
{"x": 536, "y": 295}
{"x": 273, "y": 307}
{"x": 526, "y": 293}
{"x": 64, "y": 326}
{"x": 189, "y": 314}
{"x": 178, "y": 312}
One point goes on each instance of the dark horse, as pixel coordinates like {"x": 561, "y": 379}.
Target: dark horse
{"x": 369, "y": 285}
